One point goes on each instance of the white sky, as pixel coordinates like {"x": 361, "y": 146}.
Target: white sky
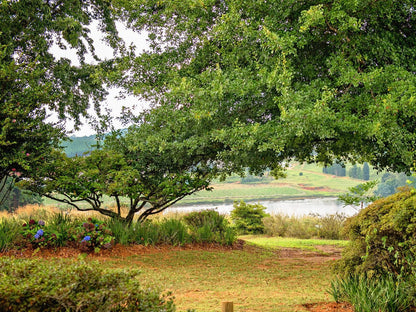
{"x": 105, "y": 52}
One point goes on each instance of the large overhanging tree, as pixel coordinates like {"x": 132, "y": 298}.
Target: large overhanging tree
{"x": 32, "y": 80}
{"x": 277, "y": 80}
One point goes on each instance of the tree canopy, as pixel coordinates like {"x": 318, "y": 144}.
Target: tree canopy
{"x": 278, "y": 80}
{"x": 151, "y": 169}
{"x": 34, "y": 83}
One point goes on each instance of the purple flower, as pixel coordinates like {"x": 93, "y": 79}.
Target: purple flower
{"x": 41, "y": 222}
{"x": 40, "y": 233}
{"x": 86, "y": 238}
{"x": 36, "y": 236}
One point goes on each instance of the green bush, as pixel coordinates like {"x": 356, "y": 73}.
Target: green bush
{"x": 37, "y": 234}
{"x": 93, "y": 235}
{"x": 383, "y": 237}
{"x": 208, "y": 226}
{"x": 210, "y": 218}
{"x": 173, "y": 232}
{"x": 248, "y": 218}
{"x": 35, "y": 285}
{"x": 383, "y": 294}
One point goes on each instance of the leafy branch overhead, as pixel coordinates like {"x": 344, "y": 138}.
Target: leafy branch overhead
{"x": 34, "y": 83}
{"x": 270, "y": 81}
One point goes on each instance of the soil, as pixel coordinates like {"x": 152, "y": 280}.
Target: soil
{"x": 125, "y": 251}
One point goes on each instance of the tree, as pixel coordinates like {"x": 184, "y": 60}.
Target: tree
{"x": 303, "y": 80}
{"x": 360, "y": 194}
{"x": 34, "y": 83}
{"x": 144, "y": 171}
{"x": 11, "y": 197}
{"x": 366, "y": 172}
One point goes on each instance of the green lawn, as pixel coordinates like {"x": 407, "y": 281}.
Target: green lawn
{"x": 288, "y": 242}
{"x": 254, "y": 279}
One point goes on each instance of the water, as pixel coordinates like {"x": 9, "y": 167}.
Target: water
{"x": 296, "y": 207}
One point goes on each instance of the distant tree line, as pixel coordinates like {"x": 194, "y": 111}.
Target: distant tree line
{"x": 355, "y": 172}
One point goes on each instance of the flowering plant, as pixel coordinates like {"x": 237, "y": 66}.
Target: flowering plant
{"x": 93, "y": 235}
{"x": 37, "y": 235}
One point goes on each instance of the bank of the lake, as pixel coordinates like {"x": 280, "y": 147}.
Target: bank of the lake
{"x": 291, "y": 207}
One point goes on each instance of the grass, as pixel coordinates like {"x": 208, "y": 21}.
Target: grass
{"x": 288, "y": 242}
{"x": 255, "y": 279}
{"x": 302, "y": 181}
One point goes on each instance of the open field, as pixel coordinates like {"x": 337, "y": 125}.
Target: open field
{"x": 254, "y": 278}
{"x": 302, "y": 181}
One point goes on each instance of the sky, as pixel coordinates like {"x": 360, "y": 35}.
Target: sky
{"x": 112, "y": 102}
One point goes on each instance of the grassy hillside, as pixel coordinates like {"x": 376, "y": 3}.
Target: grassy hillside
{"x": 302, "y": 181}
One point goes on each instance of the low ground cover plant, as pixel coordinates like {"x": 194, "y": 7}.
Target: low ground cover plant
{"x": 34, "y": 285}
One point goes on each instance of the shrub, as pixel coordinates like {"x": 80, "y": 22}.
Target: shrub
{"x": 123, "y": 233}
{"x": 61, "y": 224}
{"x": 384, "y": 294}
{"x": 146, "y": 233}
{"x": 248, "y": 218}
{"x": 211, "y": 218}
{"x": 382, "y": 237}
{"x": 173, "y": 232}
{"x": 93, "y": 235}
{"x": 35, "y": 285}
{"x": 35, "y": 233}
{"x": 208, "y": 226}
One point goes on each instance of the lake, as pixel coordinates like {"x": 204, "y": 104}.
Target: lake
{"x": 295, "y": 207}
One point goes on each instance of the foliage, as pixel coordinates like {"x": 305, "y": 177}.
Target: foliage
{"x": 366, "y": 172}
{"x": 312, "y": 226}
{"x": 248, "y": 218}
{"x": 12, "y": 196}
{"x": 360, "y": 194}
{"x": 383, "y": 294}
{"x": 390, "y": 182}
{"x": 9, "y": 230}
{"x": 151, "y": 169}
{"x": 35, "y": 84}
{"x": 37, "y": 235}
{"x": 382, "y": 237}
{"x": 272, "y": 81}
{"x": 93, "y": 235}
{"x": 33, "y": 285}
{"x": 209, "y": 226}
{"x": 336, "y": 169}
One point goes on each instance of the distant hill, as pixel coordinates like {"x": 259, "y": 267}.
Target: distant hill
{"x": 79, "y": 145}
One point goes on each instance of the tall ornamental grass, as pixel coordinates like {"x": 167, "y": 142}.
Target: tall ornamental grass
{"x": 382, "y": 294}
